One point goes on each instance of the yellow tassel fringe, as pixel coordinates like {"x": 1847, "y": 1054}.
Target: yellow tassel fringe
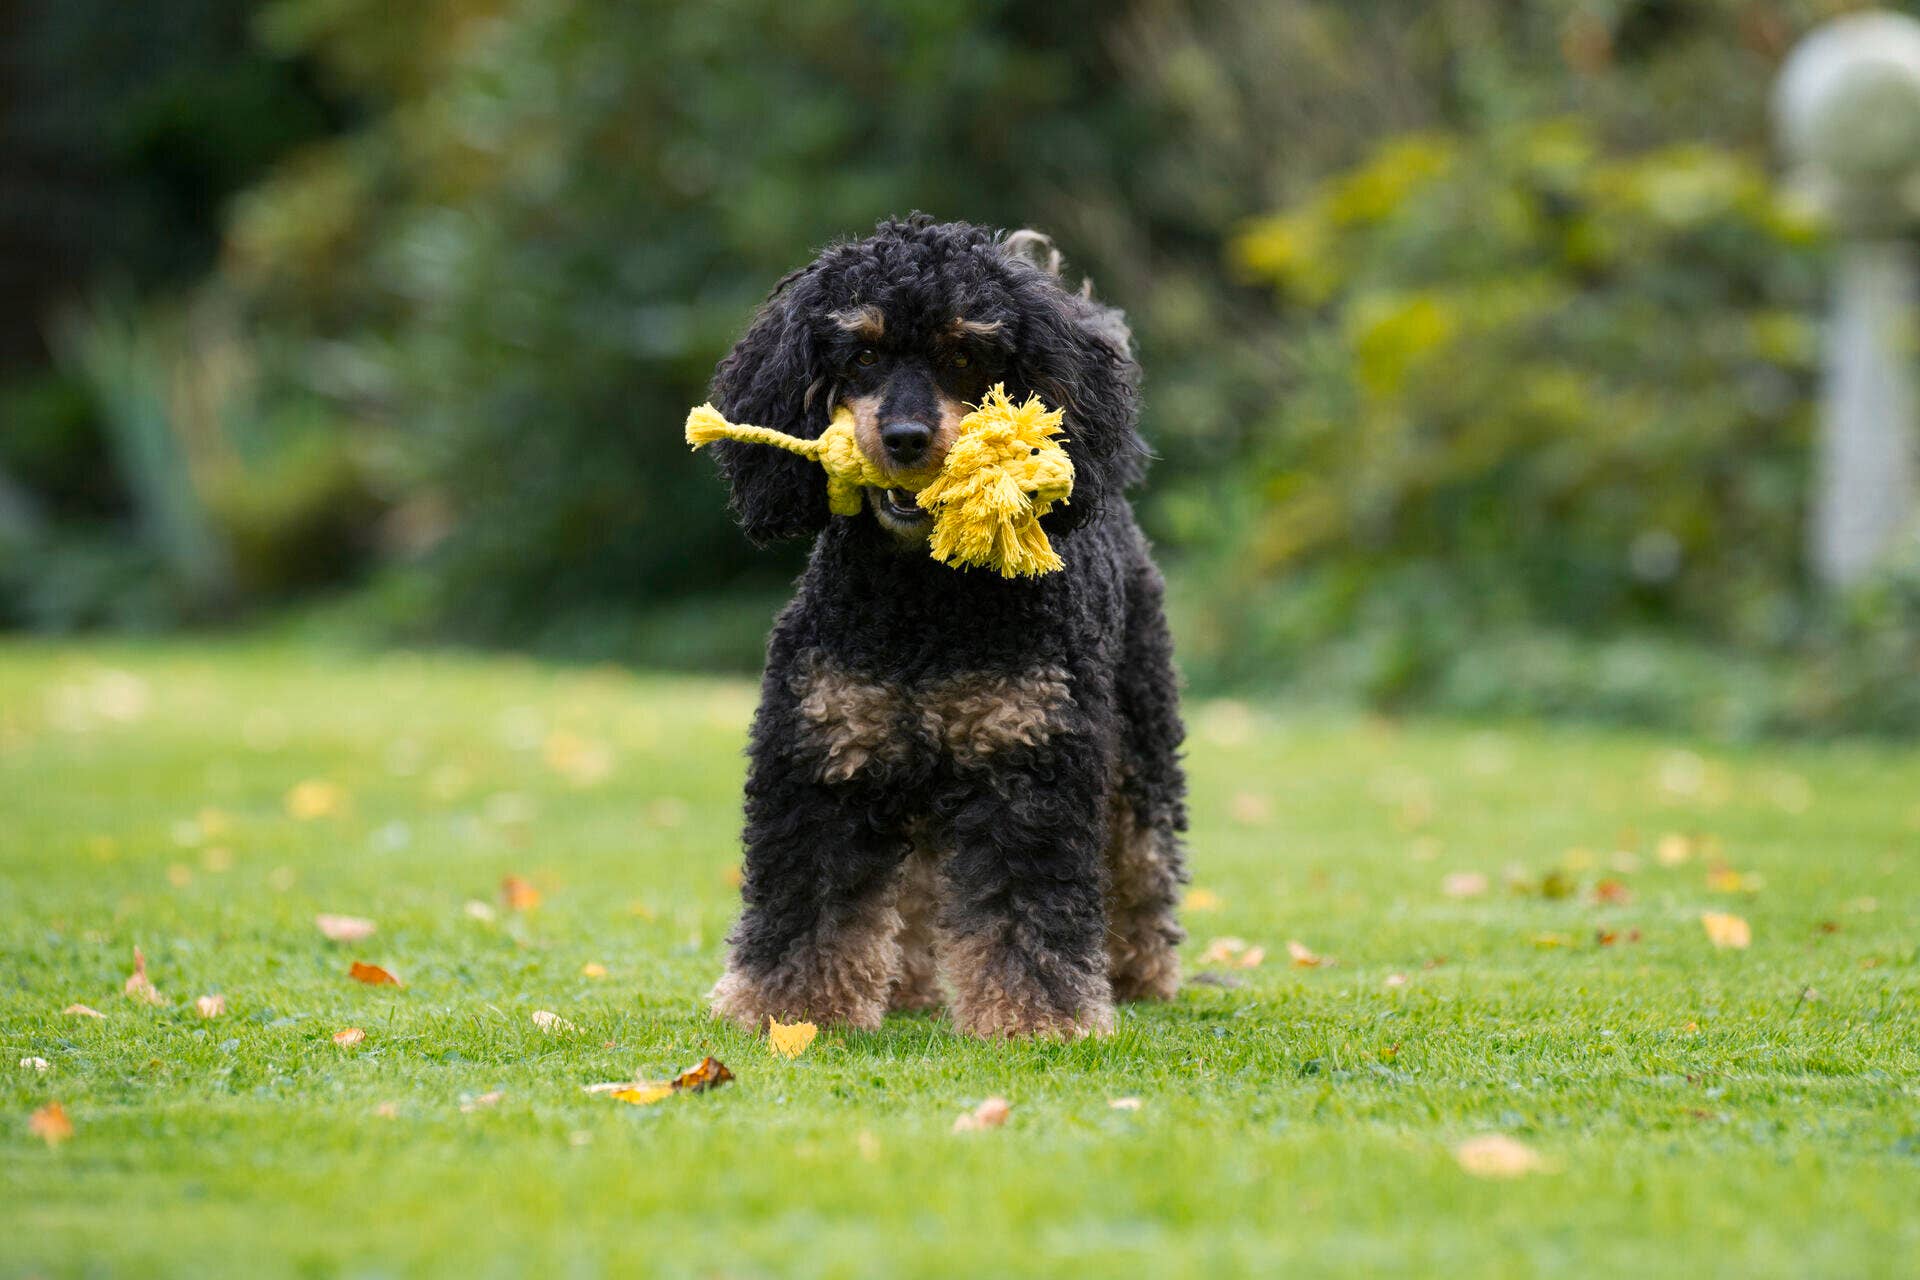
{"x": 1006, "y": 470}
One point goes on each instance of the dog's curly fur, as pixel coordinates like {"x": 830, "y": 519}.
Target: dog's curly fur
{"x": 952, "y": 772}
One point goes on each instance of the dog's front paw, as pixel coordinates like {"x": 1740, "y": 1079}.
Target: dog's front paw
{"x": 993, "y": 1020}
{"x": 748, "y": 1003}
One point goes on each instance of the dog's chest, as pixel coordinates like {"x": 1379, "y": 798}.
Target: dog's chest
{"x": 852, "y": 725}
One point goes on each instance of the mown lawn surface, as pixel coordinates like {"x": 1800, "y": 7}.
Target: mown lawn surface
{"x": 1697, "y": 1110}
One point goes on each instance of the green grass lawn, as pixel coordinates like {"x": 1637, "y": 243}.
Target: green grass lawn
{"x": 1696, "y": 1110}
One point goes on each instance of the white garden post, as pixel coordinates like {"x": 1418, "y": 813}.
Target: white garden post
{"x": 1848, "y": 111}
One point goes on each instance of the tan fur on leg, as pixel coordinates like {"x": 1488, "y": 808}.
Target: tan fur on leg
{"x": 1141, "y": 930}
{"x": 917, "y": 984}
{"x": 996, "y": 994}
{"x": 842, "y": 975}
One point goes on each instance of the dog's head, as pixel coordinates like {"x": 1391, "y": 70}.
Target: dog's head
{"x": 907, "y": 329}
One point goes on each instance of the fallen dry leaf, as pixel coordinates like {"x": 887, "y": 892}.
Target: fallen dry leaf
{"x": 990, "y": 1114}
{"x": 1124, "y": 1104}
{"x": 139, "y": 986}
{"x": 1304, "y": 958}
{"x": 315, "y": 798}
{"x": 34, "y": 1064}
{"x": 790, "y": 1040}
{"x": 708, "y": 1073}
{"x": 346, "y": 1037}
{"x": 372, "y": 974}
{"x": 1233, "y": 953}
{"x": 211, "y": 1006}
{"x": 1725, "y": 930}
{"x": 50, "y": 1124}
{"x": 1201, "y": 900}
{"x": 518, "y": 895}
{"x": 1673, "y": 849}
{"x": 1497, "y": 1156}
{"x": 1611, "y": 893}
{"x": 1396, "y": 979}
{"x": 551, "y": 1022}
{"x": 1464, "y": 884}
{"x": 344, "y": 928}
{"x": 592, "y": 970}
{"x": 643, "y": 1094}
{"x": 484, "y": 1101}
{"x": 1724, "y": 879}
{"x": 83, "y": 1011}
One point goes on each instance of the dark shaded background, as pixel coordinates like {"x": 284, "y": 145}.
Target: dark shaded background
{"x": 1480, "y": 342}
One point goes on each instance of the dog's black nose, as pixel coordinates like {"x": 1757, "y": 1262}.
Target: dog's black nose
{"x": 906, "y": 440}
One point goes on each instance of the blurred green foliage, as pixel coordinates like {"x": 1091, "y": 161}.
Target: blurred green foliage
{"x": 1479, "y": 350}
{"x": 1533, "y": 385}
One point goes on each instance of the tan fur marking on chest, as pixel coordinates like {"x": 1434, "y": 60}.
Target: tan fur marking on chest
{"x": 975, "y": 716}
{"x": 851, "y": 721}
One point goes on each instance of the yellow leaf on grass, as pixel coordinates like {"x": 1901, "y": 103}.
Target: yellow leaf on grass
{"x": 347, "y": 1037}
{"x": 83, "y": 1011}
{"x": 1497, "y": 1156}
{"x": 990, "y": 1114}
{"x": 643, "y": 1093}
{"x": 1725, "y": 930}
{"x": 344, "y": 928}
{"x": 1202, "y": 900}
{"x": 551, "y": 1022}
{"x": 592, "y": 970}
{"x": 790, "y": 1040}
{"x": 50, "y": 1124}
{"x": 315, "y": 798}
{"x": 1673, "y": 849}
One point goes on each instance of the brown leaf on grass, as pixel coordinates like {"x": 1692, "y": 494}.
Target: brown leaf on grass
{"x": 50, "y": 1124}
{"x": 1495, "y": 1155}
{"x": 1396, "y": 979}
{"x": 789, "y": 1040}
{"x": 708, "y": 1073}
{"x": 315, "y": 798}
{"x": 990, "y": 1114}
{"x": 139, "y": 986}
{"x": 372, "y": 974}
{"x": 1233, "y": 953}
{"x": 518, "y": 895}
{"x": 344, "y": 928}
{"x": 1611, "y": 893}
{"x": 347, "y": 1037}
{"x": 1303, "y": 957}
{"x": 551, "y": 1023}
{"x": 83, "y": 1011}
{"x": 1725, "y": 930}
{"x": 1464, "y": 884}
{"x": 210, "y": 1006}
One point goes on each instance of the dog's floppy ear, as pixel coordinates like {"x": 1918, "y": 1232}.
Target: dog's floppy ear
{"x": 1077, "y": 354}
{"x": 773, "y": 377}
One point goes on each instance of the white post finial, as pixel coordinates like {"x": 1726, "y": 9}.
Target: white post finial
{"x": 1848, "y": 110}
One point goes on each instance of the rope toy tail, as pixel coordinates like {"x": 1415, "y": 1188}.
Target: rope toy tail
{"x": 1007, "y": 469}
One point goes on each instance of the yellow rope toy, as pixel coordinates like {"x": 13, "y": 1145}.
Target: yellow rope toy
{"x": 1006, "y": 469}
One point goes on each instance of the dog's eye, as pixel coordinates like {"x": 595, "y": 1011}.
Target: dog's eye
{"x": 961, "y": 360}
{"x": 867, "y": 356}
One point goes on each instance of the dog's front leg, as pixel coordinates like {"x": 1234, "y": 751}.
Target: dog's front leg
{"x": 818, "y": 936}
{"x": 1022, "y": 923}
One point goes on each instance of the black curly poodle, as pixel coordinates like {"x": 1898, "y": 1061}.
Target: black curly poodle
{"x": 953, "y": 774}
